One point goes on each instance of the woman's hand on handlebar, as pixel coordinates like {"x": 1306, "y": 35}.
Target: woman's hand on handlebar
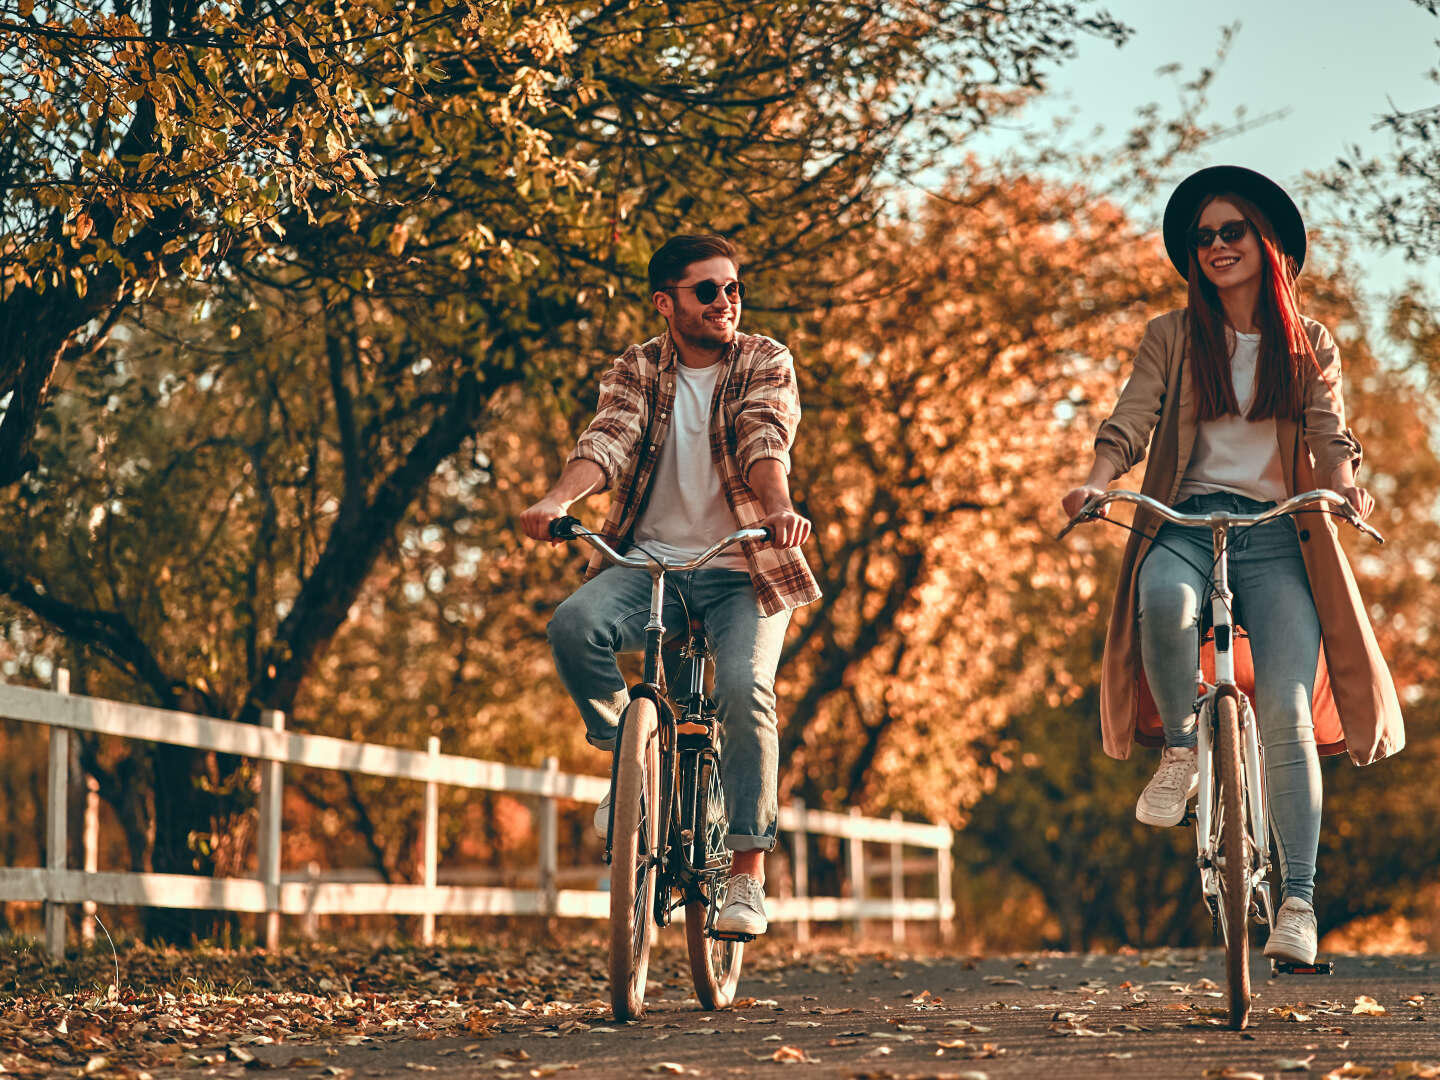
{"x": 1359, "y": 498}
{"x": 1077, "y": 497}
{"x": 787, "y": 528}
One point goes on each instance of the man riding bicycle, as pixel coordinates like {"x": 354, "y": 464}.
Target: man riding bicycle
{"x": 693, "y": 434}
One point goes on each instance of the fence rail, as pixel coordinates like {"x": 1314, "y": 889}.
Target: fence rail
{"x": 270, "y": 894}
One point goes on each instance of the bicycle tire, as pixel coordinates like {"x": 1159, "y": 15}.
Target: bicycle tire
{"x": 714, "y": 964}
{"x": 1234, "y": 849}
{"x": 632, "y": 864}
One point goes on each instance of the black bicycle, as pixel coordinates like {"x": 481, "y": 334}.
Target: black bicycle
{"x": 665, "y": 841}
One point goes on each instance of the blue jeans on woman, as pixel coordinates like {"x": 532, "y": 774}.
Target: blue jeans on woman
{"x": 607, "y": 615}
{"x": 1274, "y": 605}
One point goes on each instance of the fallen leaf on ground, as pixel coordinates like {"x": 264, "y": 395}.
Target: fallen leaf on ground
{"x": 966, "y": 1025}
{"x": 1349, "y": 1071}
{"x": 1291, "y": 1013}
{"x": 1365, "y": 1005}
{"x": 793, "y": 1055}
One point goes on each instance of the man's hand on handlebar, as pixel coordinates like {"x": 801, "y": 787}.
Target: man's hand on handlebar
{"x": 787, "y": 528}
{"x": 535, "y": 520}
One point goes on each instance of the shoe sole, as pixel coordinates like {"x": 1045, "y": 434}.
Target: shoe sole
{"x": 1157, "y": 820}
{"x": 1288, "y": 950}
{"x": 1167, "y": 822}
{"x": 751, "y": 930}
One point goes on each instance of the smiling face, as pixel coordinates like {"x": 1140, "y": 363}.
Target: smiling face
{"x": 704, "y": 327}
{"x": 1228, "y": 264}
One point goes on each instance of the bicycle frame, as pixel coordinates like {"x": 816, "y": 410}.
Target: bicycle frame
{"x": 673, "y": 821}
{"x": 1257, "y": 827}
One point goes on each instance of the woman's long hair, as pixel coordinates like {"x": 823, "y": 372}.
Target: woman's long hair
{"x": 1285, "y": 350}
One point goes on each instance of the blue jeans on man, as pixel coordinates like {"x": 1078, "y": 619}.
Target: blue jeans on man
{"x": 607, "y": 615}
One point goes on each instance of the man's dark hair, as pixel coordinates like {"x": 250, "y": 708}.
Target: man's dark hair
{"x": 668, "y": 264}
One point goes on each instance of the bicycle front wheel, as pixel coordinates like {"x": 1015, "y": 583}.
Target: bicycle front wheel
{"x": 714, "y": 964}
{"x": 632, "y": 863}
{"x": 1233, "y": 854}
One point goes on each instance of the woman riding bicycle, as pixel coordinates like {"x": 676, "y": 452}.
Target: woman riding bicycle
{"x": 1237, "y": 398}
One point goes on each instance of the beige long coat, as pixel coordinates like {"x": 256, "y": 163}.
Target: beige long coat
{"x": 1355, "y": 707}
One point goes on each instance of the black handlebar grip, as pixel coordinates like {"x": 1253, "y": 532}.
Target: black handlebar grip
{"x": 563, "y": 528}
{"x": 769, "y": 533}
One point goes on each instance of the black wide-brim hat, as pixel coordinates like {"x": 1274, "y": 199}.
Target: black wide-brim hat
{"x": 1269, "y": 196}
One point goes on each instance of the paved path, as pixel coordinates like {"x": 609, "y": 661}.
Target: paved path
{"x": 1150, "y": 1016}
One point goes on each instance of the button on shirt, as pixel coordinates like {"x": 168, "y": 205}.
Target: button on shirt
{"x": 755, "y": 412}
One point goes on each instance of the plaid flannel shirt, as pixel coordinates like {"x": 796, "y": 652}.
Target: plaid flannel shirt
{"x": 753, "y": 416}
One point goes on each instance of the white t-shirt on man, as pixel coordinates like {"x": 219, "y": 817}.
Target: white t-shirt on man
{"x": 687, "y": 510}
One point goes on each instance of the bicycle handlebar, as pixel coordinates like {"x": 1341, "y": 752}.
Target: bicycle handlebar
{"x": 1332, "y": 499}
{"x": 568, "y": 528}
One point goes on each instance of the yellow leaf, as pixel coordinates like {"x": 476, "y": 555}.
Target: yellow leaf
{"x": 1365, "y": 1005}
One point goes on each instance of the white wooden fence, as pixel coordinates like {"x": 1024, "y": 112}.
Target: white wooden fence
{"x": 269, "y": 894}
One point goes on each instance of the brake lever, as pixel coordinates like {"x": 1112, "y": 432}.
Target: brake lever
{"x": 1369, "y": 530}
{"x": 1087, "y": 512}
{"x": 1353, "y": 517}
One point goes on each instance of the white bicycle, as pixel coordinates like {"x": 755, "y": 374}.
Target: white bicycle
{"x": 1231, "y": 812}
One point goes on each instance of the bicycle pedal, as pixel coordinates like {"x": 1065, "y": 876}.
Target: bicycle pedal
{"x": 731, "y": 935}
{"x": 1286, "y": 967}
{"x": 1187, "y": 818}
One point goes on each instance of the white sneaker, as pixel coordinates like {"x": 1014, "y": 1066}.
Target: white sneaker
{"x": 1173, "y": 785}
{"x": 1293, "y": 938}
{"x": 744, "y": 909}
{"x": 602, "y": 817}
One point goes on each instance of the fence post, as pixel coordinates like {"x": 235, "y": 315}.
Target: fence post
{"x": 947, "y": 902}
{"x": 430, "y": 839}
{"x": 311, "y": 926}
{"x": 897, "y": 886}
{"x": 857, "y": 877}
{"x": 801, "y": 868}
{"x": 272, "y": 791}
{"x": 549, "y": 842}
{"x": 90, "y": 851}
{"x": 57, "y": 812}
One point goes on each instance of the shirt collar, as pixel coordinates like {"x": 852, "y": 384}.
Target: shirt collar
{"x": 669, "y": 355}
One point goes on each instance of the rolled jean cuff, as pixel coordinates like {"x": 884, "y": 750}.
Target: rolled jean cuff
{"x": 602, "y": 742}
{"x": 743, "y": 842}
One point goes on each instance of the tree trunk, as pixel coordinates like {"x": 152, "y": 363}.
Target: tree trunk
{"x": 36, "y": 330}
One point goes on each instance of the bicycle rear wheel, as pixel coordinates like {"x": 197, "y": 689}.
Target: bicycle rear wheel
{"x": 632, "y": 865}
{"x": 714, "y": 964}
{"x": 1233, "y": 854}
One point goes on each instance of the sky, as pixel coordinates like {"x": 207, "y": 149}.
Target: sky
{"x": 1332, "y": 66}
